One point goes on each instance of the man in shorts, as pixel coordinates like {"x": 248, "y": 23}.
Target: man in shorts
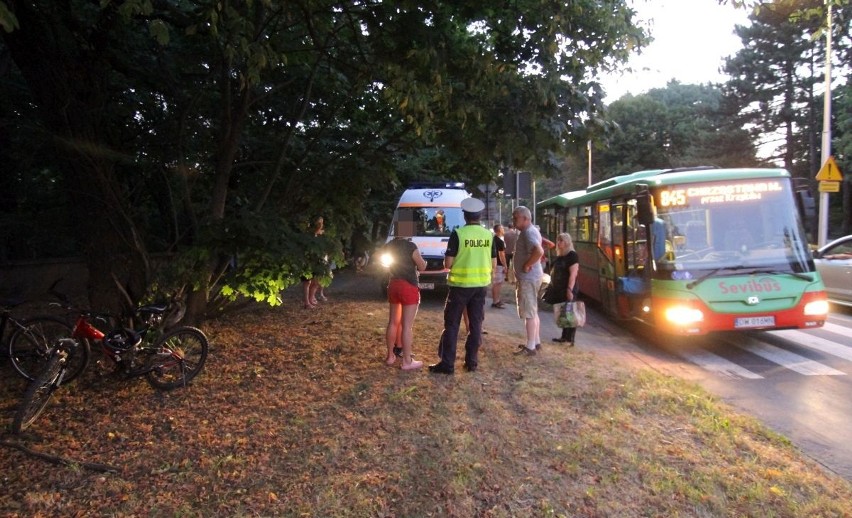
{"x": 528, "y": 271}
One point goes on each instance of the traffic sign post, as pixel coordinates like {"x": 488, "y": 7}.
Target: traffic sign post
{"x": 829, "y": 177}
{"x": 829, "y": 172}
{"x": 829, "y": 187}
{"x": 822, "y": 231}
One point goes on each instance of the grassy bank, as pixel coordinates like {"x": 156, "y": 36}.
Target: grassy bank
{"x": 297, "y": 415}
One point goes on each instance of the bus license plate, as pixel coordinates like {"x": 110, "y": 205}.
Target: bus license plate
{"x": 754, "y": 322}
{"x": 426, "y": 285}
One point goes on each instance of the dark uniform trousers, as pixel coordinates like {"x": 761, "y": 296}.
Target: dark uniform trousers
{"x": 457, "y": 300}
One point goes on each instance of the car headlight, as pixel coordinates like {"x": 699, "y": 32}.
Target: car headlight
{"x": 386, "y": 259}
{"x": 683, "y": 315}
{"x": 816, "y": 308}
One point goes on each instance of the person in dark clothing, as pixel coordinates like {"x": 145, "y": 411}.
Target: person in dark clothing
{"x": 510, "y": 237}
{"x": 498, "y": 276}
{"x": 470, "y": 257}
{"x": 563, "y": 282}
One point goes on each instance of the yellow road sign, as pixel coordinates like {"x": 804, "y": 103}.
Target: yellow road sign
{"x": 829, "y": 172}
{"x": 825, "y": 186}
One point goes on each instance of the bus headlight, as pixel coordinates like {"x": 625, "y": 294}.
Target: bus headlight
{"x": 816, "y": 308}
{"x": 683, "y": 315}
{"x": 386, "y": 260}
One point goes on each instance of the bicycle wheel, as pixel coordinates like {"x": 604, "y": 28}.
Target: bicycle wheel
{"x": 32, "y": 341}
{"x": 38, "y": 393}
{"x": 178, "y": 356}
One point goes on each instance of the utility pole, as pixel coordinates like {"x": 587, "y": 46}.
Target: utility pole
{"x": 822, "y": 230}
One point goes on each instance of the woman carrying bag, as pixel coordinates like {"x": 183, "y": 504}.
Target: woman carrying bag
{"x": 563, "y": 283}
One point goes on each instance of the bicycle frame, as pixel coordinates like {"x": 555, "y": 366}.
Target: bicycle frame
{"x": 85, "y": 330}
{"x": 171, "y": 360}
{"x": 6, "y": 318}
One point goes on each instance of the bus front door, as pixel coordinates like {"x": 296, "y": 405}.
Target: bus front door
{"x": 606, "y": 259}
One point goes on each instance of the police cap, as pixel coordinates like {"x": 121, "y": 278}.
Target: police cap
{"x": 472, "y": 207}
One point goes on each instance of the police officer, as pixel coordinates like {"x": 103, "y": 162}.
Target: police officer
{"x": 471, "y": 256}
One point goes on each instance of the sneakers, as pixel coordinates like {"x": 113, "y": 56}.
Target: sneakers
{"x": 522, "y": 349}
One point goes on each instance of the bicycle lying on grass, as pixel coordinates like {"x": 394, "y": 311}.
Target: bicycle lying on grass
{"x": 168, "y": 358}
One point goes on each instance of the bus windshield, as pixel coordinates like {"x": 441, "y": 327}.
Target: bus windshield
{"x": 731, "y": 224}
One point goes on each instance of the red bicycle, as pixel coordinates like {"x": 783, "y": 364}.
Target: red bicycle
{"x": 167, "y": 357}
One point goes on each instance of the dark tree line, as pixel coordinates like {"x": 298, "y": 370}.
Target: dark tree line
{"x": 212, "y": 131}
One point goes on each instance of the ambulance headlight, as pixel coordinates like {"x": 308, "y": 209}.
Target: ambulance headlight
{"x": 386, "y": 259}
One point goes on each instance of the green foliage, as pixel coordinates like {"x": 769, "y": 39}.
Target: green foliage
{"x": 676, "y": 126}
{"x": 209, "y": 131}
{"x": 774, "y": 79}
{"x": 7, "y": 19}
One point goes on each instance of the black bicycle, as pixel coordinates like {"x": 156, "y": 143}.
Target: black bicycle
{"x": 28, "y": 341}
{"x": 168, "y": 357}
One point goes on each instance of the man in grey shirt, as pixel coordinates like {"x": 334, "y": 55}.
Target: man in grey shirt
{"x": 528, "y": 273}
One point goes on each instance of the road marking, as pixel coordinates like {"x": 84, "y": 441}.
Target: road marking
{"x": 789, "y": 360}
{"x": 840, "y": 317}
{"x": 717, "y": 364}
{"x": 836, "y": 329}
{"x": 815, "y": 342}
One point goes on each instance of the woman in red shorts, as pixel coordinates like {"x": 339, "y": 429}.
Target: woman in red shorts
{"x": 403, "y": 294}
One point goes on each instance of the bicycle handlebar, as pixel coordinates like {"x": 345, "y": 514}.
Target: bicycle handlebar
{"x": 173, "y": 307}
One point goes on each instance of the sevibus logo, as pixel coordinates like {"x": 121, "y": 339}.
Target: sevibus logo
{"x": 764, "y": 285}
{"x": 432, "y": 195}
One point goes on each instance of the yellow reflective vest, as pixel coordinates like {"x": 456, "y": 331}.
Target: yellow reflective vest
{"x": 472, "y": 264}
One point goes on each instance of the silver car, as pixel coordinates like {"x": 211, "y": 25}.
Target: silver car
{"x": 834, "y": 264}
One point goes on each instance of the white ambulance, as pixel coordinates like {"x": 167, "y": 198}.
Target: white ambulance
{"x": 435, "y": 210}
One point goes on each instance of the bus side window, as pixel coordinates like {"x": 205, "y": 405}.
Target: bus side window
{"x": 584, "y": 229}
{"x": 604, "y": 229}
{"x": 571, "y": 227}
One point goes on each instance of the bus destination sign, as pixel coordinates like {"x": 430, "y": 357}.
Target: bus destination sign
{"x": 677, "y": 196}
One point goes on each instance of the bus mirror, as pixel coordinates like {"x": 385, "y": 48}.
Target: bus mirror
{"x": 645, "y": 211}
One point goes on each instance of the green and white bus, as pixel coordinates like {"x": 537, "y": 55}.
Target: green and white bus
{"x": 693, "y": 250}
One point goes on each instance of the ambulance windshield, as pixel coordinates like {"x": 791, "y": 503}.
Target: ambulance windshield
{"x": 432, "y": 221}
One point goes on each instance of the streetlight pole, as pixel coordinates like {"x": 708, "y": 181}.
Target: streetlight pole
{"x": 589, "y": 149}
{"x": 822, "y": 230}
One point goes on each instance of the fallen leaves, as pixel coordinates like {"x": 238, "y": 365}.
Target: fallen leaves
{"x": 296, "y": 414}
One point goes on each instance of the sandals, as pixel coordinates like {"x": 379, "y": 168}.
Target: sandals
{"x": 414, "y": 365}
{"x": 498, "y": 305}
